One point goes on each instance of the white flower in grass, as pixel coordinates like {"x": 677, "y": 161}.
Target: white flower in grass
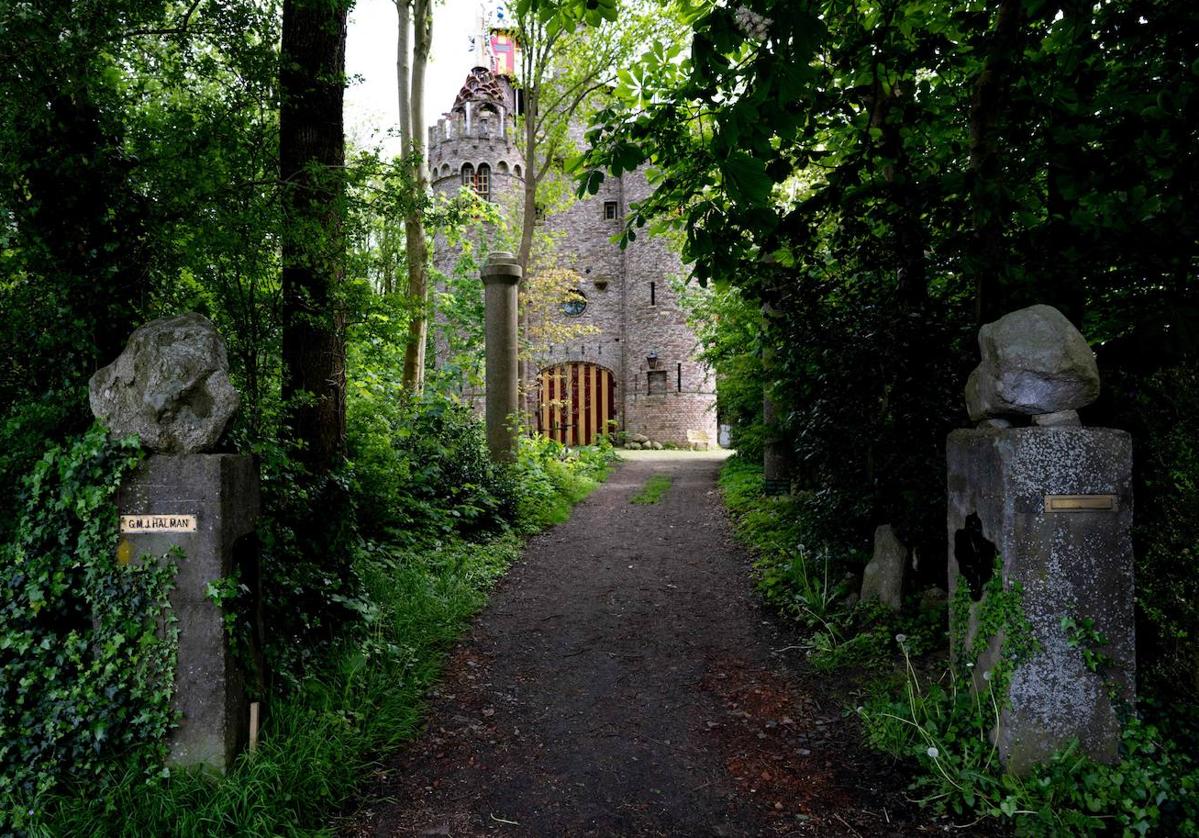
{"x": 933, "y": 752}
{"x": 901, "y": 638}
{"x": 987, "y": 675}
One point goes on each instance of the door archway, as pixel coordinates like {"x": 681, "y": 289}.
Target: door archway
{"x": 575, "y": 402}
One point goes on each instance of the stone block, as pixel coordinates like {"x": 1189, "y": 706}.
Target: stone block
{"x": 170, "y": 386}
{"x": 1010, "y": 494}
{"x": 884, "y": 574}
{"x": 1033, "y": 362}
{"x": 205, "y": 505}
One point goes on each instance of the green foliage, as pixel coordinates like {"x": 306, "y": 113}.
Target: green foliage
{"x": 85, "y": 667}
{"x": 887, "y": 177}
{"x": 655, "y": 487}
{"x": 320, "y": 741}
{"x": 422, "y": 468}
{"x": 550, "y": 478}
{"x": 947, "y": 728}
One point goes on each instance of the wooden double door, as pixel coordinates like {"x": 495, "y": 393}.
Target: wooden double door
{"x": 575, "y": 402}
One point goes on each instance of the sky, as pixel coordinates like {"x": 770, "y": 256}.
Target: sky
{"x": 370, "y": 109}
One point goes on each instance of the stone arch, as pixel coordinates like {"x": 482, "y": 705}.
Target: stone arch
{"x": 501, "y": 168}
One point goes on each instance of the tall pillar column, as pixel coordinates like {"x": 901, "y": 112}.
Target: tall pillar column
{"x": 501, "y": 275}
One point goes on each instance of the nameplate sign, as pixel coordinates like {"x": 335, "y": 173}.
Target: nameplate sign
{"x": 1081, "y": 503}
{"x": 158, "y": 523}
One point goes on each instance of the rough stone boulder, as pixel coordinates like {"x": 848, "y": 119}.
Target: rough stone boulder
{"x": 638, "y": 438}
{"x": 170, "y": 386}
{"x": 1033, "y": 362}
{"x": 883, "y": 577}
{"x": 633, "y": 446}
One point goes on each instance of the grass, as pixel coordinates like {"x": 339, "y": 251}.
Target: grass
{"x": 321, "y": 743}
{"x": 653, "y": 490}
{"x": 318, "y": 744}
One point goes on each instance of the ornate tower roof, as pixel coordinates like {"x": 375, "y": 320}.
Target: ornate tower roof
{"x": 481, "y": 86}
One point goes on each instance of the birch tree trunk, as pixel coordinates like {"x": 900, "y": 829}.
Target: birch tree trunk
{"x": 414, "y": 231}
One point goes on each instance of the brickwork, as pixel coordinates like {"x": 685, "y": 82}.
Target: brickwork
{"x": 629, "y": 293}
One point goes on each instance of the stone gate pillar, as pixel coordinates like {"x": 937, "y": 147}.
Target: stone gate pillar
{"x": 1052, "y": 501}
{"x": 501, "y": 275}
{"x": 171, "y": 387}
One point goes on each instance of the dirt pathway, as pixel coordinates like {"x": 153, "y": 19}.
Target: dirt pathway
{"x": 622, "y": 682}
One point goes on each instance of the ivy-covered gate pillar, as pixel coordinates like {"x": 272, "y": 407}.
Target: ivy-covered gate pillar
{"x": 1040, "y": 547}
{"x": 197, "y": 509}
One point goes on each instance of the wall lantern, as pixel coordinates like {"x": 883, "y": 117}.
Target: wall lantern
{"x": 651, "y": 360}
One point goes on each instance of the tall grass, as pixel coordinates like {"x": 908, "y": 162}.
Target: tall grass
{"x": 321, "y": 742}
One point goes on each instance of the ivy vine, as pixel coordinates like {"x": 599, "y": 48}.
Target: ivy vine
{"x": 87, "y": 643}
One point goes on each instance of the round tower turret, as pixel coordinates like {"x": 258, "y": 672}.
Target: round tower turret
{"x": 474, "y": 143}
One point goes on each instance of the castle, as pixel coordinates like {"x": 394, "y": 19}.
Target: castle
{"x": 635, "y": 369}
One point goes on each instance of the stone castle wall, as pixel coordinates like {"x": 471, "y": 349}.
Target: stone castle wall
{"x": 629, "y": 292}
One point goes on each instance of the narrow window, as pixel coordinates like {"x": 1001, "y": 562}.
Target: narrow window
{"x": 679, "y": 382}
{"x": 652, "y": 297}
{"x": 538, "y": 214}
{"x": 483, "y": 182}
{"x": 609, "y": 210}
{"x": 655, "y": 382}
{"x": 468, "y": 175}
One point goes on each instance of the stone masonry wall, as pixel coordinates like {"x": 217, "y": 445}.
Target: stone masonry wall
{"x": 616, "y": 284}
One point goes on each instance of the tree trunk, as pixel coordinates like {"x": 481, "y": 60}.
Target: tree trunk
{"x": 985, "y": 259}
{"x": 528, "y": 218}
{"x": 412, "y": 133}
{"x": 403, "y": 74}
{"x": 311, "y": 163}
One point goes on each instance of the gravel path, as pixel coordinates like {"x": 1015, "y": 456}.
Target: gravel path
{"x": 622, "y": 682}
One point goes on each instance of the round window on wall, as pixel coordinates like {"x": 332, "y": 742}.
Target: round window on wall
{"x": 575, "y": 305}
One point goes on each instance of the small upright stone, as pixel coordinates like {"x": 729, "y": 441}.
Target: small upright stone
{"x": 1033, "y": 362}
{"x": 883, "y": 577}
{"x": 170, "y": 386}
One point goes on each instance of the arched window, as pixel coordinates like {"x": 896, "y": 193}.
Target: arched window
{"x": 468, "y": 175}
{"x": 483, "y": 182}
{"x": 502, "y": 168}
{"x": 445, "y": 170}
{"x": 516, "y": 170}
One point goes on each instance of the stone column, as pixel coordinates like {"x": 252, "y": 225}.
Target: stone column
{"x": 205, "y": 505}
{"x": 501, "y": 275}
{"x": 1056, "y": 505}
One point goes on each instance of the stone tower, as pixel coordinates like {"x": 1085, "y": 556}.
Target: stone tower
{"x": 639, "y": 371}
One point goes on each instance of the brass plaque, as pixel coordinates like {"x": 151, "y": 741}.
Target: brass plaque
{"x": 1080, "y": 503}
{"x": 158, "y": 523}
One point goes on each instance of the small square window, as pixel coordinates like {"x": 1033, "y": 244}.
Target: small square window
{"x": 656, "y": 382}
{"x": 609, "y": 210}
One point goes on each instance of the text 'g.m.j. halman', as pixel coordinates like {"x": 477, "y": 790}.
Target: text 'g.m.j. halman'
{"x": 158, "y": 523}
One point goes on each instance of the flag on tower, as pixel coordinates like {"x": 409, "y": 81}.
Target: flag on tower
{"x": 503, "y": 54}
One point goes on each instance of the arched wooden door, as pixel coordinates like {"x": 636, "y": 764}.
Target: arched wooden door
{"x": 575, "y": 402}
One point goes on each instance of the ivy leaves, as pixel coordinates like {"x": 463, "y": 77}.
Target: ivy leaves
{"x": 85, "y": 667}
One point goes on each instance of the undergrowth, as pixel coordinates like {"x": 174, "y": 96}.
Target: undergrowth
{"x": 358, "y": 696}
{"x": 943, "y": 727}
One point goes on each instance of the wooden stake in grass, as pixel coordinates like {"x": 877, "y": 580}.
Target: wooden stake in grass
{"x": 653, "y": 490}
{"x": 253, "y": 726}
